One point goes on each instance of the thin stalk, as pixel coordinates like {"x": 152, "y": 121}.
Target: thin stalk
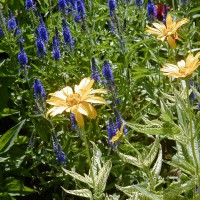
{"x": 88, "y": 156}
{"x": 191, "y": 134}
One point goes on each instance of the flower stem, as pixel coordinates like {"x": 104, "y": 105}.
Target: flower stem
{"x": 88, "y": 156}
{"x": 191, "y": 134}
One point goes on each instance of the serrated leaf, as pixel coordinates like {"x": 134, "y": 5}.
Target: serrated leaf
{"x": 78, "y": 177}
{"x": 103, "y": 174}
{"x": 130, "y": 159}
{"x": 8, "y": 138}
{"x": 158, "y": 164}
{"x": 82, "y": 193}
{"x": 152, "y": 154}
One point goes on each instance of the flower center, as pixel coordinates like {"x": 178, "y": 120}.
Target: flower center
{"x": 73, "y": 99}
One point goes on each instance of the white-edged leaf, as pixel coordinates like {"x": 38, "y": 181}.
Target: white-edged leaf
{"x": 148, "y": 194}
{"x": 153, "y": 152}
{"x": 155, "y": 129}
{"x": 158, "y": 165}
{"x": 78, "y": 177}
{"x": 82, "y": 193}
{"x": 128, "y": 190}
{"x": 103, "y": 174}
{"x": 130, "y": 159}
{"x": 96, "y": 165}
{"x": 176, "y": 188}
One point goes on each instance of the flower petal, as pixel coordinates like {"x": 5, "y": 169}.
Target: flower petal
{"x": 79, "y": 119}
{"x": 94, "y": 99}
{"x": 56, "y": 110}
{"x": 58, "y": 94}
{"x": 169, "y": 21}
{"x": 100, "y": 91}
{"x": 67, "y": 90}
{"x": 171, "y": 42}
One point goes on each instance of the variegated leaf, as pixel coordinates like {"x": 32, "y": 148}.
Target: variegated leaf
{"x": 103, "y": 174}
{"x": 78, "y": 177}
{"x": 82, "y": 193}
{"x": 152, "y": 154}
{"x": 158, "y": 165}
{"x": 130, "y": 159}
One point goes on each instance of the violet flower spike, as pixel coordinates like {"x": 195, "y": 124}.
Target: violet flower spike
{"x": 42, "y": 31}
{"x": 95, "y": 73}
{"x": 29, "y": 4}
{"x": 11, "y": 21}
{"x": 67, "y": 35}
{"x": 39, "y": 91}
{"x": 22, "y": 57}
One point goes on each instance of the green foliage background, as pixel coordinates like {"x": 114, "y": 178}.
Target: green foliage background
{"x": 149, "y": 104}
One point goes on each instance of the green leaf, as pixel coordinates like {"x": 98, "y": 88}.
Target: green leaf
{"x": 7, "y": 112}
{"x": 78, "y": 177}
{"x": 8, "y": 138}
{"x": 128, "y": 190}
{"x": 177, "y": 188}
{"x": 152, "y": 154}
{"x": 15, "y": 187}
{"x": 165, "y": 129}
{"x": 158, "y": 164}
{"x": 103, "y": 174}
{"x": 130, "y": 159}
{"x": 147, "y": 193}
{"x": 132, "y": 191}
{"x": 194, "y": 10}
{"x": 3, "y": 159}
{"x": 82, "y": 193}
{"x": 96, "y": 165}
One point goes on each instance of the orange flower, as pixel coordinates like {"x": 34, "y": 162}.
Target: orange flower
{"x": 183, "y": 68}
{"x": 168, "y": 31}
{"x": 77, "y": 102}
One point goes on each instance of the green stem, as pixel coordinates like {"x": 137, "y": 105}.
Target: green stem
{"x": 88, "y": 156}
{"x": 191, "y": 134}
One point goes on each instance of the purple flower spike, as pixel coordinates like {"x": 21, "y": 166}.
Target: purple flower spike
{"x": 151, "y": 11}
{"x": 42, "y": 31}
{"x": 22, "y": 57}
{"x": 29, "y": 4}
{"x": 38, "y": 90}
{"x": 11, "y": 21}
{"x": 67, "y": 35}
{"x": 62, "y": 4}
{"x": 95, "y": 73}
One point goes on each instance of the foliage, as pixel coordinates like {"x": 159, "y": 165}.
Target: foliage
{"x": 48, "y": 45}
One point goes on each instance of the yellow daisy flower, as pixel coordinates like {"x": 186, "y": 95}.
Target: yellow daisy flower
{"x": 183, "y": 68}
{"x": 168, "y": 31}
{"x": 77, "y": 102}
